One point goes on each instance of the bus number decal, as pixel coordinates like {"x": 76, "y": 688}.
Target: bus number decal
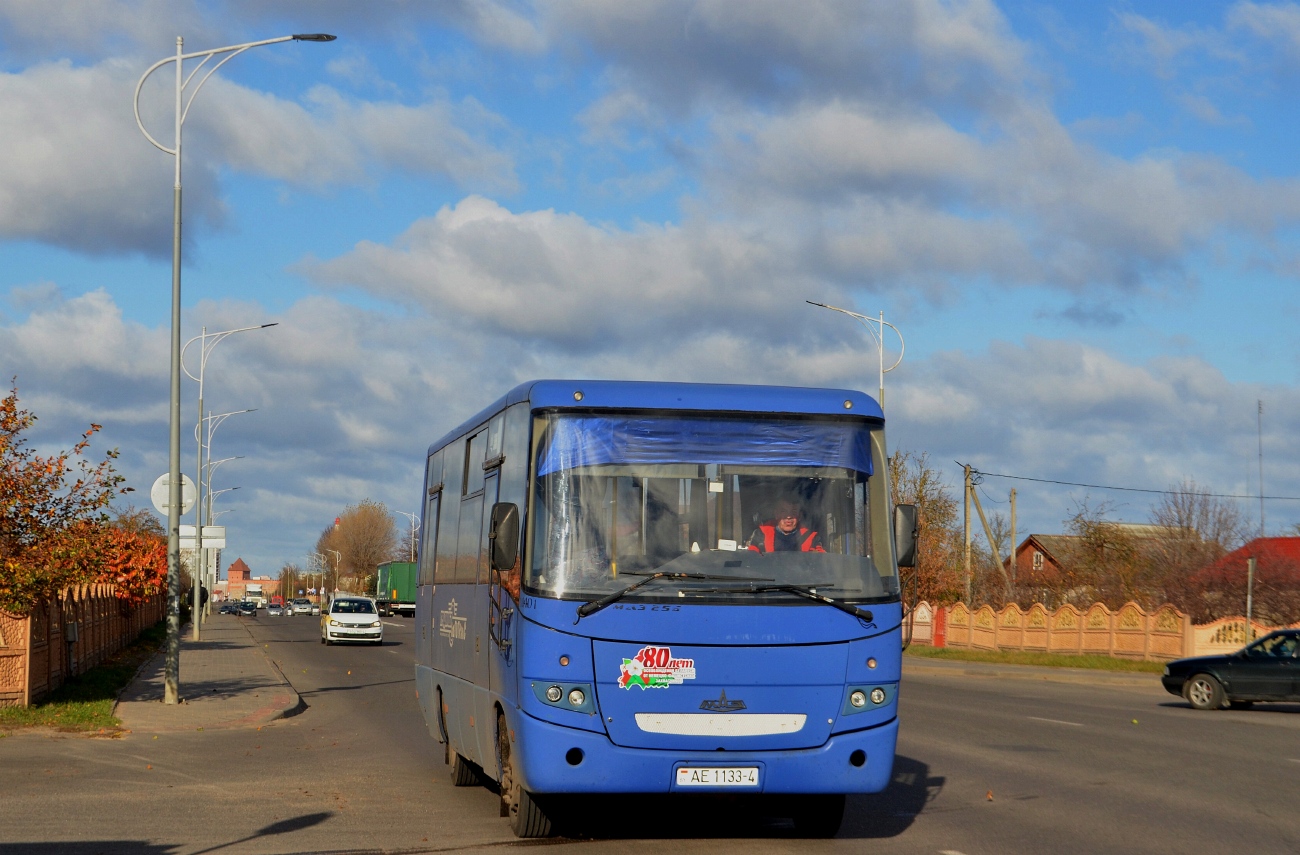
{"x": 655, "y": 668}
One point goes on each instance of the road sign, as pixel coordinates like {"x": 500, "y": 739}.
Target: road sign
{"x": 161, "y": 494}
{"x": 214, "y": 537}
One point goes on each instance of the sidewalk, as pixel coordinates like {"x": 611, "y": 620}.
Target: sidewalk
{"x": 956, "y": 668}
{"x": 226, "y": 681}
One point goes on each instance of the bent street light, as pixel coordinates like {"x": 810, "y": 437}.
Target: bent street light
{"x": 879, "y": 338}
{"x": 171, "y": 691}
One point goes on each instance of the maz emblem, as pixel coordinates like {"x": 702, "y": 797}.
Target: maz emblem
{"x": 451, "y": 626}
{"x": 722, "y": 704}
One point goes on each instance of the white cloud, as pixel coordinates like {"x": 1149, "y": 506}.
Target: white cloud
{"x": 79, "y": 174}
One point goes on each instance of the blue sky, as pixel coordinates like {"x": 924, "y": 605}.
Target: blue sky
{"x": 1083, "y": 218}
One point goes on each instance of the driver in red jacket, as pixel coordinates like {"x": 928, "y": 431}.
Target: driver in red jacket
{"x": 783, "y": 533}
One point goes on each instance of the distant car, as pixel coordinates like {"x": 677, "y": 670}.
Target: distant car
{"x": 351, "y": 619}
{"x": 302, "y": 606}
{"x": 274, "y": 610}
{"x": 1264, "y": 670}
{"x": 315, "y": 608}
{"x": 228, "y": 609}
{"x": 247, "y": 608}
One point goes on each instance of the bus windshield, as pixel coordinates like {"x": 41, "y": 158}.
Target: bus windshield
{"x": 766, "y": 501}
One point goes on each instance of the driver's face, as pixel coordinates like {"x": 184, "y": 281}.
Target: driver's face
{"x": 787, "y": 518}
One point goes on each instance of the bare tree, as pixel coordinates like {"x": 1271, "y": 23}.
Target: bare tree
{"x": 1197, "y": 529}
{"x": 939, "y": 541}
{"x": 366, "y": 536}
{"x": 1109, "y": 563}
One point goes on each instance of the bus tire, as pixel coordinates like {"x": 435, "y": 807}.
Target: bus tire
{"x": 817, "y": 815}
{"x": 463, "y": 773}
{"x": 527, "y": 818}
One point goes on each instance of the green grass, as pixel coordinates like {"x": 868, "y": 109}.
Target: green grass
{"x": 1051, "y": 660}
{"x": 85, "y": 702}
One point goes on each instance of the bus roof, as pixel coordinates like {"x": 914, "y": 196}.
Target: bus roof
{"x": 643, "y": 395}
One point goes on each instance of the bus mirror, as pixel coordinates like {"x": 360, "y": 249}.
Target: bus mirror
{"x": 504, "y": 535}
{"x": 905, "y": 534}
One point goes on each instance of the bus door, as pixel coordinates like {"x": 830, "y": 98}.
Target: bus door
{"x": 501, "y": 622}
{"x": 485, "y": 649}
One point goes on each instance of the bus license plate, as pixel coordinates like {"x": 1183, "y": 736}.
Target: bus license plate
{"x": 717, "y": 776}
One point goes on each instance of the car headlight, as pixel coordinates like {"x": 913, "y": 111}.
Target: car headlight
{"x": 377, "y": 623}
{"x": 334, "y": 622}
{"x": 1166, "y": 670}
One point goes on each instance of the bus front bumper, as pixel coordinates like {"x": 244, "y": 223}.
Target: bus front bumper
{"x": 555, "y": 759}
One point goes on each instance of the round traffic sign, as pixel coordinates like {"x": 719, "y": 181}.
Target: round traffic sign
{"x": 160, "y": 493}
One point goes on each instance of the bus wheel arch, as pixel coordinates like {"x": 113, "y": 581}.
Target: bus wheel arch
{"x": 527, "y": 818}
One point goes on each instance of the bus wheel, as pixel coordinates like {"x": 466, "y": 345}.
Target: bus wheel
{"x": 527, "y": 819}
{"x": 817, "y": 816}
{"x": 463, "y": 773}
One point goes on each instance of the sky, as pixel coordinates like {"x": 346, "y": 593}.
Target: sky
{"x": 1082, "y": 218}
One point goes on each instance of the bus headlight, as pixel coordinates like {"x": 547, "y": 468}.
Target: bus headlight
{"x": 577, "y": 698}
{"x": 877, "y": 696}
{"x": 554, "y": 693}
{"x": 858, "y": 698}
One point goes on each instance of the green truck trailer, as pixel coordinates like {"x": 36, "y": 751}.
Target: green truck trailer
{"x": 395, "y": 590}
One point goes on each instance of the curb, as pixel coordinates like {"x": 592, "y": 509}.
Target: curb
{"x": 1038, "y": 673}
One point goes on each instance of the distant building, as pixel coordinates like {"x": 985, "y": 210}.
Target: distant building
{"x": 239, "y": 574}
{"x": 1040, "y": 558}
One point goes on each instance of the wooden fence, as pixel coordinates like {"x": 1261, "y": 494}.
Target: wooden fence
{"x": 1129, "y": 632}
{"x": 59, "y": 639}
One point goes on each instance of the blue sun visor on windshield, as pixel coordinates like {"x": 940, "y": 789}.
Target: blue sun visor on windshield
{"x": 575, "y": 441}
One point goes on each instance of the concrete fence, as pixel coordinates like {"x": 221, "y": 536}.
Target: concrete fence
{"x": 1129, "y": 632}
{"x": 41, "y": 650}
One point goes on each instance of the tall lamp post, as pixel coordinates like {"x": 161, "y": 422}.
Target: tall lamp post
{"x": 415, "y": 525}
{"x": 204, "y": 516}
{"x": 337, "y": 556}
{"x": 878, "y": 336}
{"x": 200, "y": 555}
{"x": 205, "y": 350}
{"x": 171, "y": 671}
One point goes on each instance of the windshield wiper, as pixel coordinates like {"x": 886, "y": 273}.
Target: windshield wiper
{"x": 808, "y": 592}
{"x": 596, "y": 605}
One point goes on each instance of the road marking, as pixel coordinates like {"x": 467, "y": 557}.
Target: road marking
{"x": 950, "y": 852}
{"x": 1055, "y": 721}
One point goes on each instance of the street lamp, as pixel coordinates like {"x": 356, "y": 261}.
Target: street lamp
{"x": 205, "y": 350}
{"x": 204, "y": 517}
{"x": 337, "y": 556}
{"x": 415, "y": 524}
{"x": 200, "y": 554}
{"x": 879, "y": 338}
{"x": 171, "y": 691}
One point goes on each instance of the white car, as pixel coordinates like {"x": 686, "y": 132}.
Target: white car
{"x": 351, "y": 619}
{"x": 302, "y": 606}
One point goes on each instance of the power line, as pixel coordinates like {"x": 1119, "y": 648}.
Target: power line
{"x": 1132, "y": 489}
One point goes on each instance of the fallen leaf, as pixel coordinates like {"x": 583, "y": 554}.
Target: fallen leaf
{"x": 989, "y": 795}
{"x": 1135, "y": 721}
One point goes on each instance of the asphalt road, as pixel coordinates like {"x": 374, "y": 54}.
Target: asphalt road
{"x": 986, "y": 764}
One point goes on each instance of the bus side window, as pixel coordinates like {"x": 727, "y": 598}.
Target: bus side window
{"x": 428, "y": 549}
{"x": 449, "y": 511}
{"x": 429, "y": 525}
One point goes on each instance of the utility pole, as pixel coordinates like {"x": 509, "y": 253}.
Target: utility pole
{"x": 1259, "y": 423}
{"x": 966, "y": 527}
{"x": 1250, "y": 586}
{"x": 1012, "y": 559}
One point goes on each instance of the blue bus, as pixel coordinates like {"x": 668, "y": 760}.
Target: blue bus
{"x": 608, "y": 602}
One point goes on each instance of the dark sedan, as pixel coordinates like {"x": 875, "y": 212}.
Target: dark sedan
{"x": 1264, "y": 670}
